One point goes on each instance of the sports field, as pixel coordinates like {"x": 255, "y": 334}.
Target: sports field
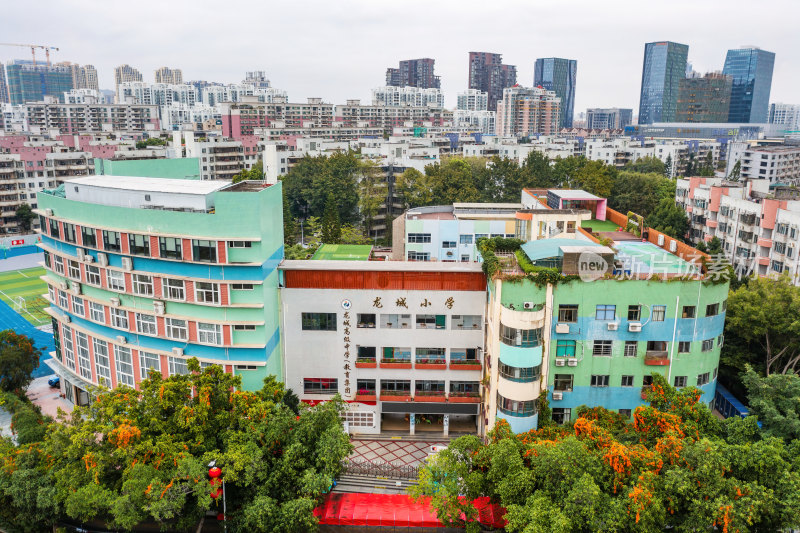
{"x": 27, "y": 285}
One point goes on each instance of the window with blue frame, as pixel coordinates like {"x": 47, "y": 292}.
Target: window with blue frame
{"x": 605, "y": 312}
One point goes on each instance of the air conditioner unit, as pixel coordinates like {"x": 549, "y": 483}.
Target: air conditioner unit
{"x": 88, "y": 258}
{"x": 572, "y": 362}
{"x": 80, "y": 254}
{"x": 75, "y": 289}
{"x": 121, "y": 339}
{"x": 127, "y": 264}
{"x": 67, "y": 319}
{"x": 558, "y": 396}
{"x": 48, "y": 212}
{"x": 102, "y": 259}
{"x": 63, "y": 285}
{"x": 673, "y": 246}
{"x": 528, "y": 305}
{"x": 562, "y": 328}
{"x": 561, "y": 362}
{"x": 159, "y": 307}
{"x": 661, "y": 240}
{"x": 177, "y": 351}
{"x": 613, "y": 326}
{"x": 115, "y": 301}
{"x": 635, "y": 327}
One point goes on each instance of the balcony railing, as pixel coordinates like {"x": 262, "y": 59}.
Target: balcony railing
{"x": 366, "y": 363}
{"x": 465, "y": 364}
{"x": 431, "y": 363}
{"x": 395, "y": 363}
{"x": 656, "y": 358}
{"x": 395, "y": 393}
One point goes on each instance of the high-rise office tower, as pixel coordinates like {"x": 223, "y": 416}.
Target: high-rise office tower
{"x": 487, "y": 73}
{"x": 558, "y": 75}
{"x": 413, "y": 73}
{"x": 704, "y": 99}
{"x": 31, "y": 83}
{"x": 751, "y": 70}
{"x": 170, "y": 76}
{"x": 3, "y": 86}
{"x": 126, "y": 73}
{"x": 664, "y": 67}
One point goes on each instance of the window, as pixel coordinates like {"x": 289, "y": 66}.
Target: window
{"x": 565, "y": 348}
{"x": 319, "y": 321}
{"x": 625, "y": 413}
{"x": 365, "y": 386}
{"x": 320, "y": 385}
{"x": 204, "y": 251}
{"x": 93, "y": 275}
{"x": 366, "y": 320}
{"x": 634, "y": 312}
{"x": 631, "y": 347}
{"x": 395, "y": 354}
{"x": 659, "y": 312}
{"x": 119, "y": 318}
{"x": 169, "y": 248}
{"x": 465, "y": 239}
{"x": 448, "y": 244}
{"x": 708, "y": 345}
{"x": 561, "y": 415}
{"x": 77, "y": 306}
{"x": 242, "y": 286}
{"x": 74, "y": 269}
{"x": 602, "y": 348}
{"x": 68, "y": 349}
{"x": 515, "y": 408}
{"x": 712, "y": 309}
{"x": 425, "y": 386}
{"x": 84, "y": 364}
{"x": 627, "y": 381}
{"x": 419, "y": 237}
{"x": 147, "y": 362}
{"x": 365, "y": 354}
{"x": 472, "y": 322}
{"x": 563, "y": 382}
{"x": 525, "y": 338}
{"x": 647, "y": 381}
{"x": 703, "y": 379}
{"x": 465, "y": 388}
{"x": 96, "y": 312}
{"x": 568, "y": 313}
{"x": 522, "y": 375}
{"x": 207, "y": 293}
{"x": 58, "y": 264}
{"x": 177, "y": 329}
{"x": 69, "y": 232}
{"x": 177, "y": 366}
{"x": 54, "y": 229}
{"x": 419, "y": 256}
{"x": 465, "y": 258}
{"x": 657, "y": 346}
{"x": 431, "y": 322}
{"x": 173, "y": 289}
{"x": 720, "y": 339}
{"x": 605, "y": 312}
{"x": 463, "y": 354}
{"x": 599, "y": 380}
{"x": 89, "y": 237}
{"x": 680, "y": 381}
{"x": 115, "y": 280}
{"x": 244, "y": 327}
{"x": 146, "y": 324}
{"x": 684, "y": 346}
{"x": 689, "y": 311}
{"x": 139, "y": 244}
{"x": 63, "y": 301}
{"x": 209, "y": 333}
{"x": 240, "y": 244}
{"x": 396, "y": 321}
{"x": 101, "y": 364}
{"x": 395, "y": 385}
{"x": 431, "y": 355}
{"x": 124, "y": 364}
{"x": 142, "y": 285}
{"x": 724, "y": 305}
{"x": 111, "y": 241}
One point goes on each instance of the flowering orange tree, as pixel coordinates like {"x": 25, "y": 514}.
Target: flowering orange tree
{"x": 141, "y": 456}
{"x": 674, "y": 467}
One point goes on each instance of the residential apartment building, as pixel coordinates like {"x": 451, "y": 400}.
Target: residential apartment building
{"x": 488, "y": 74}
{"x": 482, "y": 121}
{"x": 216, "y": 94}
{"x": 389, "y": 117}
{"x": 413, "y": 73}
{"x": 777, "y": 163}
{"x": 401, "y": 342}
{"x": 527, "y": 111}
{"x": 169, "y": 76}
{"x": 704, "y": 99}
{"x": 608, "y": 118}
{"x": 244, "y": 118}
{"x": 751, "y": 71}
{"x": 3, "y": 85}
{"x": 158, "y": 94}
{"x": 473, "y": 100}
{"x": 785, "y": 114}
{"x": 144, "y": 273}
{"x": 664, "y": 67}
{"x": 126, "y": 74}
{"x": 407, "y": 96}
{"x": 29, "y": 82}
{"x": 83, "y": 77}
{"x": 560, "y": 76}
{"x": 256, "y": 78}
{"x": 71, "y": 119}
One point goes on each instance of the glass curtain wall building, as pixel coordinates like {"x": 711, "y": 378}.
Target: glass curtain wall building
{"x": 751, "y": 70}
{"x": 558, "y": 75}
{"x": 664, "y": 67}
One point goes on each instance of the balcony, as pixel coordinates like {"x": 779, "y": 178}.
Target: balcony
{"x": 766, "y": 243}
{"x": 465, "y": 364}
{"x": 366, "y": 363}
{"x": 430, "y": 396}
{"x": 656, "y": 358}
{"x": 465, "y": 397}
{"x": 366, "y": 396}
{"x": 396, "y": 363}
{"x": 431, "y": 364}
{"x": 395, "y": 395}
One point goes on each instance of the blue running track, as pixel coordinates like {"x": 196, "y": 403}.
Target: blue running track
{"x": 9, "y": 319}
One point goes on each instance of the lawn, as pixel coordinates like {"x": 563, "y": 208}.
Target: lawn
{"x": 26, "y": 283}
{"x": 599, "y": 225}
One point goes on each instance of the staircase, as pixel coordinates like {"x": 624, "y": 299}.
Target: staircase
{"x": 372, "y": 484}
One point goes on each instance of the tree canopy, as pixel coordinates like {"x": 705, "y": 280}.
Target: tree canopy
{"x": 647, "y": 165}
{"x": 141, "y": 456}
{"x": 256, "y": 173}
{"x": 24, "y": 215}
{"x": 775, "y": 401}
{"x": 639, "y": 192}
{"x": 18, "y": 358}
{"x": 669, "y": 218}
{"x": 675, "y": 467}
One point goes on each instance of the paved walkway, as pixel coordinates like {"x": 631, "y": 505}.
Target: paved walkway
{"x": 410, "y": 453}
{"x": 46, "y": 397}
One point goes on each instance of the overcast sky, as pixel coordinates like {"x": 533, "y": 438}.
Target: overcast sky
{"x": 339, "y": 49}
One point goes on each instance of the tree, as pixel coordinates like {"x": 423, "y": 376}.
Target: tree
{"x": 289, "y": 223}
{"x": 596, "y": 178}
{"x": 18, "y": 358}
{"x": 690, "y": 170}
{"x": 669, "y": 218}
{"x": 256, "y": 173}
{"x": 141, "y": 456}
{"x": 331, "y": 225}
{"x": 775, "y": 401}
{"x": 668, "y": 167}
{"x": 763, "y": 314}
{"x": 309, "y": 182}
{"x": 152, "y": 141}
{"x": 452, "y": 181}
{"x": 715, "y": 246}
{"x": 646, "y": 165}
{"x": 536, "y": 172}
{"x": 736, "y": 171}
{"x": 640, "y": 193}
{"x": 701, "y": 247}
{"x": 415, "y": 188}
{"x": 502, "y": 180}
{"x": 24, "y": 216}
{"x": 372, "y": 193}
{"x": 707, "y": 168}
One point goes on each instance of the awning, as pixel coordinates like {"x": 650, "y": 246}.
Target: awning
{"x": 432, "y": 408}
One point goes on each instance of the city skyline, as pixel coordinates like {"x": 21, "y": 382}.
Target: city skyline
{"x": 337, "y": 65}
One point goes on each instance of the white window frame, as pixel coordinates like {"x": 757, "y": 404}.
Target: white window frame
{"x": 63, "y": 301}
{"x": 123, "y": 361}
{"x": 93, "y": 275}
{"x": 82, "y": 350}
{"x": 101, "y": 362}
{"x": 118, "y": 320}
{"x": 148, "y": 361}
{"x": 73, "y": 269}
{"x": 202, "y": 295}
{"x": 77, "y": 306}
{"x": 142, "y": 284}
{"x": 146, "y": 324}
{"x": 96, "y": 309}
{"x": 68, "y": 348}
{"x": 209, "y": 333}
{"x": 177, "y": 366}
{"x": 58, "y": 264}
{"x": 659, "y": 313}
{"x": 115, "y": 280}
{"x": 167, "y": 289}
{"x": 177, "y": 325}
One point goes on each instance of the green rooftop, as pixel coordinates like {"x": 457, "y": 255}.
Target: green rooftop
{"x": 343, "y": 252}
{"x": 547, "y": 248}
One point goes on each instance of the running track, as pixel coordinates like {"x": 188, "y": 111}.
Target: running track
{"x": 9, "y": 319}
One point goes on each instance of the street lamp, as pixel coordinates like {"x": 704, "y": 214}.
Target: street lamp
{"x": 214, "y": 472}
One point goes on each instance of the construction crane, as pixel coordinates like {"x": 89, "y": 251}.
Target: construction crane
{"x": 33, "y": 48}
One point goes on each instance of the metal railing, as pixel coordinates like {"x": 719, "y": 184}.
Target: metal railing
{"x": 380, "y": 469}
